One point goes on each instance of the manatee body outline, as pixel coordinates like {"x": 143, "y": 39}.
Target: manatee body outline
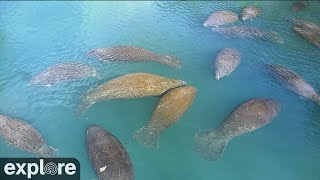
{"x": 168, "y": 111}
{"x": 219, "y": 18}
{"x": 228, "y": 59}
{"x": 293, "y": 82}
{"x": 246, "y": 117}
{"x": 62, "y": 72}
{"x": 299, "y": 6}
{"x": 305, "y": 25}
{"x": 132, "y": 85}
{"x": 250, "y": 12}
{"x": 109, "y": 158}
{"x": 134, "y": 54}
{"x": 23, "y": 136}
{"x": 248, "y": 32}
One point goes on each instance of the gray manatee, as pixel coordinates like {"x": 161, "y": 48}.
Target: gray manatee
{"x": 293, "y": 81}
{"x": 250, "y": 12}
{"x": 306, "y": 25}
{"x": 68, "y": 71}
{"x": 247, "y": 117}
{"x": 135, "y": 54}
{"x": 23, "y": 136}
{"x": 219, "y": 18}
{"x": 170, "y": 108}
{"x": 226, "y": 62}
{"x": 133, "y": 85}
{"x": 108, "y": 156}
{"x": 308, "y": 35}
{"x": 248, "y": 32}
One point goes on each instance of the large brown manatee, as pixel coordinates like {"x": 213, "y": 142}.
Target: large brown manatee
{"x": 108, "y": 156}
{"x": 135, "y": 54}
{"x": 169, "y": 110}
{"x": 226, "y": 62}
{"x": 133, "y": 85}
{"x": 219, "y": 18}
{"x": 250, "y": 12}
{"x": 68, "y": 71}
{"x": 23, "y": 136}
{"x": 293, "y": 81}
{"x": 248, "y": 32}
{"x": 247, "y": 117}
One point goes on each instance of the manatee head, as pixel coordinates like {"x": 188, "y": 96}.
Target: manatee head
{"x": 206, "y": 23}
{"x": 98, "y": 53}
{"x": 316, "y": 98}
{"x": 173, "y": 83}
{"x": 273, "y": 105}
{"x": 170, "y": 60}
{"x": 95, "y": 132}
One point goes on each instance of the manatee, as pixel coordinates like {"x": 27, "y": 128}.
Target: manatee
{"x": 299, "y": 6}
{"x": 134, "y": 54}
{"x": 226, "y": 62}
{"x": 306, "y": 25}
{"x": 68, "y": 71}
{"x": 248, "y": 32}
{"x": 219, "y": 18}
{"x": 23, "y": 136}
{"x": 293, "y": 81}
{"x": 108, "y": 156}
{"x": 133, "y": 85}
{"x": 308, "y": 35}
{"x": 246, "y": 117}
{"x": 169, "y": 110}
{"x": 250, "y": 12}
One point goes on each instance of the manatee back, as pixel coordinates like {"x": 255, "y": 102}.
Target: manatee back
{"x": 250, "y": 116}
{"x": 108, "y": 156}
{"x": 20, "y": 134}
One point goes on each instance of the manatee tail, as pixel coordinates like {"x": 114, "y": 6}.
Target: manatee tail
{"x": 147, "y": 137}
{"x": 210, "y": 144}
{"x": 85, "y": 104}
{"x": 275, "y": 37}
{"x": 47, "y": 151}
{"x": 169, "y": 60}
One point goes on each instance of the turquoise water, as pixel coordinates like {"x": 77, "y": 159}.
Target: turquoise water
{"x": 36, "y": 35}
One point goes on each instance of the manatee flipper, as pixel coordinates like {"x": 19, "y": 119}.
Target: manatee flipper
{"x": 147, "y": 137}
{"x": 210, "y": 144}
{"x": 47, "y": 151}
{"x": 85, "y": 104}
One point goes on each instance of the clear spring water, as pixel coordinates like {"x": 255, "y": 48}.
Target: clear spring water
{"x": 36, "y": 35}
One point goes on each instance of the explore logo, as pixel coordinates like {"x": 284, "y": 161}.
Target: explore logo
{"x": 39, "y": 168}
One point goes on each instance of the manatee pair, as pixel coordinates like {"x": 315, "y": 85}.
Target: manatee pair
{"x": 246, "y": 117}
{"x": 68, "y": 71}
{"x": 23, "y": 136}
{"x": 175, "y": 100}
{"x": 228, "y": 59}
{"x": 219, "y": 18}
{"x": 308, "y": 30}
{"x": 248, "y": 32}
{"x": 293, "y": 81}
{"x": 108, "y": 156}
{"x": 132, "y": 85}
{"x": 133, "y": 53}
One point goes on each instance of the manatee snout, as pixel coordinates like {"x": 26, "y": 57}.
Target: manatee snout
{"x": 93, "y": 52}
{"x": 93, "y": 132}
